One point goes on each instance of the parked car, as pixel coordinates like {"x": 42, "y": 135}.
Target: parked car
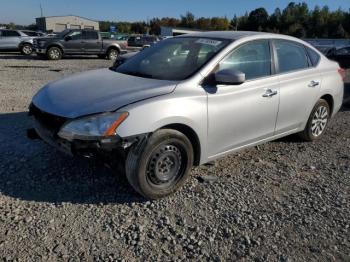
{"x": 15, "y": 40}
{"x": 342, "y": 56}
{"x": 189, "y": 100}
{"x": 142, "y": 41}
{"x": 79, "y": 42}
{"x": 326, "y": 50}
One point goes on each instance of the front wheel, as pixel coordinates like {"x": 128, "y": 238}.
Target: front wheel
{"x": 27, "y": 49}
{"x": 161, "y": 165}
{"x": 54, "y": 53}
{"x": 317, "y": 122}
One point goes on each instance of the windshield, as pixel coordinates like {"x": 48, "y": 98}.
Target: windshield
{"x": 173, "y": 59}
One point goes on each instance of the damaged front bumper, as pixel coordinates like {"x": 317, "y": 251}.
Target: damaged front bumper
{"x": 98, "y": 148}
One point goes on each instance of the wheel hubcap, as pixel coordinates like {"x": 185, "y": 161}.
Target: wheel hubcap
{"x": 165, "y": 165}
{"x": 113, "y": 54}
{"x": 54, "y": 54}
{"x": 319, "y": 121}
{"x": 27, "y": 49}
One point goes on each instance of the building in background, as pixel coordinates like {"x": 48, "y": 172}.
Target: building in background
{"x": 57, "y": 24}
{"x": 174, "y": 31}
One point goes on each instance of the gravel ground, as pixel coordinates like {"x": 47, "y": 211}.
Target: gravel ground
{"x": 282, "y": 201}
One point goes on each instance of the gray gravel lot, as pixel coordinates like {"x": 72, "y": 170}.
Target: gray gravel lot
{"x": 282, "y": 201}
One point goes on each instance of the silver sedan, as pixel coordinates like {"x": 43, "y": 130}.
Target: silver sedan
{"x": 189, "y": 100}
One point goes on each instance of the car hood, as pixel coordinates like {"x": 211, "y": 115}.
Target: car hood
{"x": 97, "y": 91}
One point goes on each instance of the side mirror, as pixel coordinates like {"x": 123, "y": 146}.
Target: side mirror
{"x": 68, "y": 38}
{"x": 229, "y": 77}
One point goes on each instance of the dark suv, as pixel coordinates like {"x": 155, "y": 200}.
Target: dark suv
{"x": 79, "y": 42}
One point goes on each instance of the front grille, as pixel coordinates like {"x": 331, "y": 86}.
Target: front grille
{"x": 49, "y": 121}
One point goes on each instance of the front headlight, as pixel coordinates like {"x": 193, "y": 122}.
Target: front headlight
{"x": 92, "y": 127}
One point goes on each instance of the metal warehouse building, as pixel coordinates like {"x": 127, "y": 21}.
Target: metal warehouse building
{"x": 57, "y": 24}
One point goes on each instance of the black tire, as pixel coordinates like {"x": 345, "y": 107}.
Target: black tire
{"x": 112, "y": 54}
{"x": 311, "y": 127}
{"x": 26, "y": 49}
{"x": 54, "y": 53}
{"x": 160, "y": 165}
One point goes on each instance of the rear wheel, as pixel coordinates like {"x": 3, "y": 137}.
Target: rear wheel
{"x": 54, "y": 53}
{"x": 317, "y": 122}
{"x": 112, "y": 54}
{"x": 160, "y": 166}
{"x": 27, "y": 49}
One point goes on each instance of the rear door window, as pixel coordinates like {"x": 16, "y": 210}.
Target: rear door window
{"x": 291, "y": 56}
{"x": 90, "y": 35}
{"x": 10, "y": 33}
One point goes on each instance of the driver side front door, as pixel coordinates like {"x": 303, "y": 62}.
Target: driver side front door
{"x": 73, "y": 43}
{"x": 241, "y": 115}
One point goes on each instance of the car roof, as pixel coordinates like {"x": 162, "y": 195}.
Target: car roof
{"x": 234, "y": 35}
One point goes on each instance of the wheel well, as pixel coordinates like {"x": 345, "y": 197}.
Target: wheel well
{"x": 24, "y": 43}
{"x": 330, "y": 101}
{"x": 192, "y": 136}
{"x": 112, "y": 47}
{"x": 55, "y": 46}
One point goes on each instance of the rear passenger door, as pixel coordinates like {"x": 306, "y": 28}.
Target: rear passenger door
{"x": 299, "y": 85}
{"x": 91, "y": 42}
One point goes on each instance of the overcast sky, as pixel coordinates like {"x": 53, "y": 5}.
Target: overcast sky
{"x": 25, "y": 11}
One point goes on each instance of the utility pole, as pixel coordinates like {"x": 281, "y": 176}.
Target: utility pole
{"x": 41, "y": 10}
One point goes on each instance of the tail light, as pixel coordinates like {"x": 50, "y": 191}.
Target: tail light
{"x": 342, "y": 73}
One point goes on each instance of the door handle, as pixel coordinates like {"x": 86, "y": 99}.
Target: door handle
{"x": 313, "y": 83}
{"x": 270, "y": 93}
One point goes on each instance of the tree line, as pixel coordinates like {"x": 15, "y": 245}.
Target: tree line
{"x": 297, "y": 19}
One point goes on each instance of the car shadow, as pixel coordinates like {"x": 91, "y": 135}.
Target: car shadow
{"x": 33, "y": 171}
{"x": 17, "y": 56}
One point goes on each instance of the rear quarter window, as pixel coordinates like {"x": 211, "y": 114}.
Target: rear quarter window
{"x": 313, "y": 55}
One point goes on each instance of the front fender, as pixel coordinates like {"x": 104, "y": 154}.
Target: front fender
{"x": 25, "y": 42}
{"x": 51, "y": 44}
{"x": 114, "y": 45}
{"x": 152, "y": 114}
